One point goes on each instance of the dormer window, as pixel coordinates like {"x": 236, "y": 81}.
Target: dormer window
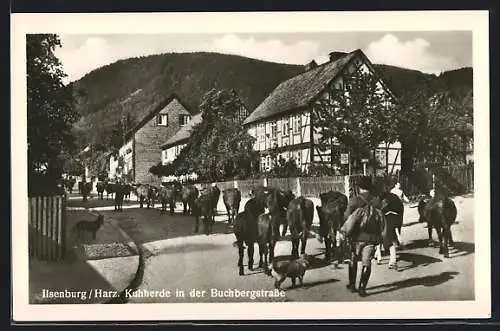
{"x": 184, "y": 119}
{"x": 162, "y": 120}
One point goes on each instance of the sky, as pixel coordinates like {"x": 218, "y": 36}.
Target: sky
{"x": 426, "y": 51}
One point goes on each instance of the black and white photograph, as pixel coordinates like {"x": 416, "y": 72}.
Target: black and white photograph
{"x": 306, "y": 165}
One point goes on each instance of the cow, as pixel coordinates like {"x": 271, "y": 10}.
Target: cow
{"x": 214, "y": 194}
{"x": 86, "y": 188}
{"x": 276, "y": 201}
{"x": 110, "y": 189}
{"x": 333, "y": 196}
{"x": 268, "y": 235}
{"x": 100, "y": 186}
{"x": 168, "y": 195}
{"x": 232, "y": 199}
{"x": 203, "y": 208}
{"x": 127, "y": 189}
{"x": 440, "y": 213}
{"x": 69, "y": 183}
{"x": 299, "y": 214}
{"x": 246, "y": 232}
{"x": 189, "y": 194}
{"x": 119, "y": 193}
{"x": 331, "y": 218}
{"x": 145, "y": 193}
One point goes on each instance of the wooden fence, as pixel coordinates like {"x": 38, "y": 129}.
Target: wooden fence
{"x": 313, "y": 186}
{"x": 284, "y": 184}
{"x": 246, "y": 186}
{"x": 47, "y": 227}
{"x": 450, "y": 180}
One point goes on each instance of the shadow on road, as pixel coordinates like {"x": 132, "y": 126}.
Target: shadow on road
{"x": 148, "y": 225}
{"x": 427, "y": 281}
{"x": 319, "y": 282}
{"x": 307, "y": 284}
{"x": 411, "y": 260}
{"x": 459, "y": 248}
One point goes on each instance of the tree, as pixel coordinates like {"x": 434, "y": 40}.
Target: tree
{"x": 219, "y": 147}
{"x": 285, "y": 168}
{"x": 434, "y": 124}
{"x": 73, "y": 166}
{"x": 50, "y": 113}
{"x": 360, "y": 116}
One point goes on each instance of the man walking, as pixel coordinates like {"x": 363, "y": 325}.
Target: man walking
{"x": 366, "y": 227}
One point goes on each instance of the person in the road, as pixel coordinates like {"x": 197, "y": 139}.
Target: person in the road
{"x": 399, "y": 192}
{"x": 364, "y": 240}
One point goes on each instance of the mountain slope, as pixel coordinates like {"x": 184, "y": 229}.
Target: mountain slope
{"x": 131, "y": 88}
{"x": 135, "y": 86}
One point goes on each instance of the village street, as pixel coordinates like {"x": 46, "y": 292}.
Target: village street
{"x": 178, "y": 259}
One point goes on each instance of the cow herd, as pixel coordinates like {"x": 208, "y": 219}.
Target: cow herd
{"x": 270, "y": 210}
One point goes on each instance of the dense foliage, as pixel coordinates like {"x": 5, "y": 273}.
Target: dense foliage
{"x": 435, "y": 125}
{"x": 359, "y": 115}
{"x": 219, "y": 147}
{"x": 50, "y": 114}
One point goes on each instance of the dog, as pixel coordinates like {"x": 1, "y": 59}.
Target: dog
{"x": 293, "y": 269}
{"x": 92, "y": 227}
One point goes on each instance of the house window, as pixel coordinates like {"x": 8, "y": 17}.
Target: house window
{"x": 162, "y": 119}
{"x": 298, "y": 158}
{"x": 296, "y": 123}
{"x": 184, "y": 119}
{"x": 286, "y": 127}
{"x": 261, "y": 133}
{"x": 273, "y": 130}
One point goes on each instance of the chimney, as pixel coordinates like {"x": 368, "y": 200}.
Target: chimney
{"x": 334, "y": 56}
{"x": 310, "y": 65}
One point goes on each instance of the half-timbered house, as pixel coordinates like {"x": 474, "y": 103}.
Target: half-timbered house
{"x": 283, "y": 126}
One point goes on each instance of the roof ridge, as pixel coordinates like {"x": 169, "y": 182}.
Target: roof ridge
{"x": 297, "y": 91}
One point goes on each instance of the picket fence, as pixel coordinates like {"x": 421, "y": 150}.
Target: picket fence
{"x": 300, "y": 186}
{"x": 47, "y": 227}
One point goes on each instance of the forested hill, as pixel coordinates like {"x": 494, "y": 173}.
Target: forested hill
{"x": 135, "y": 86}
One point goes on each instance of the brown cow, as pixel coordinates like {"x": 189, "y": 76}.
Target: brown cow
{"x": 300, "y": 214}
{"x": 440, "y": 213}
{"x": 168, "y": 194}
{"x": 86, "y": 188}
{"x": 214, "y": 195}
{"x": 232, "y": 199}
{"x": 203, "y": 208}
{"x": 331, "y": 218}
{"x": 189, "y": 194}
{"x": 268, "y": 229}
{"x": 276, "y": 201}
{"x": 246, "y": 231}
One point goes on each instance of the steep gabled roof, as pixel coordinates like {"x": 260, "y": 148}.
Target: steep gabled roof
{"x": 298, "y": 91}
{"x": 168, "y": 104}
{"x": 184, "y": 133}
